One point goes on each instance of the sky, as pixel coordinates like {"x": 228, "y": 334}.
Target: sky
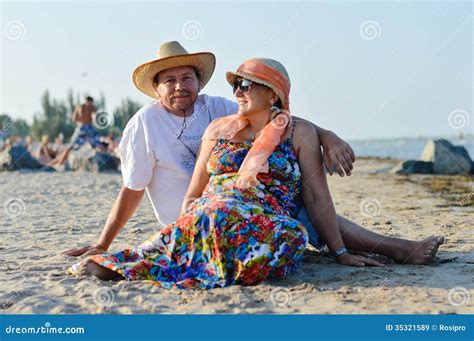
{"x": 361, "y": 69}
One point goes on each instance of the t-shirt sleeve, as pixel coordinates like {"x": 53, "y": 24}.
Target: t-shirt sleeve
{"x": 223, "y": 107}
{"x": 137, "y": 157}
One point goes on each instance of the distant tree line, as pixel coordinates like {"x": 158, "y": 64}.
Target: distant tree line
{"x": 55, "y": 117}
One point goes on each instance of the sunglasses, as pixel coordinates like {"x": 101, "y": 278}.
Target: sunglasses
{"x": 243, "y": 84}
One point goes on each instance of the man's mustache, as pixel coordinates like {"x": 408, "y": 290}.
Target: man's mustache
{"x": 180, "y": 94}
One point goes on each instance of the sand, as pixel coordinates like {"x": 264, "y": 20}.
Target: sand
{"x": 45, "y": 213}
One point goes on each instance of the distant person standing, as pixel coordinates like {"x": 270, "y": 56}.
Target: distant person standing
{"x": 83, "y": 116}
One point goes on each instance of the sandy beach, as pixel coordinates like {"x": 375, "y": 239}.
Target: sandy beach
{"x": 46, "y": 213}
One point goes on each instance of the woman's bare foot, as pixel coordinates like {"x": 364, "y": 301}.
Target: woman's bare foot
{"x": 421, "y": 252}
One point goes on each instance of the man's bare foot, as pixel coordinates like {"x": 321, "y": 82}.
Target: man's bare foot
{"x": 422, "y": 252}
{"x": 92, "y": 268}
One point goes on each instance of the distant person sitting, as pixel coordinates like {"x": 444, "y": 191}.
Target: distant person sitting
{"x": 45, "y": 153}
{"x": 29, "y": 143}
{"x": 85, "y": 132}
{"x": 58, "y": 145}
{"x": 7, "y": 144}
{"x": 110, "y": 142}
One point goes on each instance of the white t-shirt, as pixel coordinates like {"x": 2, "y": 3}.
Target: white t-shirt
{"x": 154, "y": 158}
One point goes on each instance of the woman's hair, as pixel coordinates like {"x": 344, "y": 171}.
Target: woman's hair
{"x": 278, "y": 104}
{"x": 156, "y": 79}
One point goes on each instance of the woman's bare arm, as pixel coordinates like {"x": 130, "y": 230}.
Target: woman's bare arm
{"x": 316, "y": 195}
{"x": 200, "y": 176}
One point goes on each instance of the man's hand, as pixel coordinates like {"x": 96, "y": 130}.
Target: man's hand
{"x": 86, "y": 251}
{"x": 355, "y": 260}
{"x": 124, "y": 207}
{"x": 337, "y": 153}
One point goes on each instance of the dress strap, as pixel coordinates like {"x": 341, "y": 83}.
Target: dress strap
{"x": 292, "y": 129}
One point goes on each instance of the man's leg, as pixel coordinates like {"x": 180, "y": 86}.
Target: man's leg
{"x": 93, "y": 137}
{"x": 75, "y": 135}
{"x": 102, "y": 273}
{"x": 61, "y": 157}
{"x": 404, "y": 251}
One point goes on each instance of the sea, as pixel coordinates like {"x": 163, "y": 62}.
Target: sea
{"x": 405, "y": 148}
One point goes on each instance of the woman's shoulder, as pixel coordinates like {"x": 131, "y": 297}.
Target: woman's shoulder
{"x": 304, "y": 131}
{"x": 303, "y": 126}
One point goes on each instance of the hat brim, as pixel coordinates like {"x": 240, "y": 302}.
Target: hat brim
{"x": 231, "y": 76}
{"x": 204, "y": 62}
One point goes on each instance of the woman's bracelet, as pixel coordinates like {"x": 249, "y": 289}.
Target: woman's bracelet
{"x": 341, "y": 251}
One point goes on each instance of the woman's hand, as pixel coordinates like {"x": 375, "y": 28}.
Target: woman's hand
{"x": 355, "y": 260}
{"x": 337, "y": 153}
{"x": 86, "y": 251}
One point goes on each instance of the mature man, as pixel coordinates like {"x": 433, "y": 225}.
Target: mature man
{"x": 160, "y": 144}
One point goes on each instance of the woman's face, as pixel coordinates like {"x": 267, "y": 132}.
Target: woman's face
{"x": 254, "y": 98}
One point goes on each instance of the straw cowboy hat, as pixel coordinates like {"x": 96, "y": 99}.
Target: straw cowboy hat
{"x": 268, "y": 72}
{"x": 171, "y": 55}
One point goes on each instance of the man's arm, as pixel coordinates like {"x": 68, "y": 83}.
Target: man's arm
{"x": 138, "y": 162}
{"x": 94, "y": 114}
{"x": 74, "y": 113}
{"x": 337, "y": 153}
{"x": 124, "y": 207}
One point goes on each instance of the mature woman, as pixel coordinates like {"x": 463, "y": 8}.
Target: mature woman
{"x": 238, "y": 221}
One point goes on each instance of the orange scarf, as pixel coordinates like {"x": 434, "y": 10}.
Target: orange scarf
{"x": 256, "y": 160}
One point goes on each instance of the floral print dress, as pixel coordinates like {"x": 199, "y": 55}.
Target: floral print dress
{"x": 229, "y": 235}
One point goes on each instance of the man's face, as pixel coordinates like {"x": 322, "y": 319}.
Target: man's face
{"x": 178, "y": 88}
